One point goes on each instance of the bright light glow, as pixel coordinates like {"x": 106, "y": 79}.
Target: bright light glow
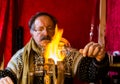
{"x": 52, "y": 49}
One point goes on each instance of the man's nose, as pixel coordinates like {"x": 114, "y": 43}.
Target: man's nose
{"x": 45, "y": 32}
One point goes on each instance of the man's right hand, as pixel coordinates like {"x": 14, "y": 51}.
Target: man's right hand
{"x": 6, "y": 80}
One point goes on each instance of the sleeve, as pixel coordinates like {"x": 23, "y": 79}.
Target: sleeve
{"x": 4, "y": 73}
{"x": 90, "y": 70}
{"x": 14, "y": 67}
{"x": 70, "y": 64}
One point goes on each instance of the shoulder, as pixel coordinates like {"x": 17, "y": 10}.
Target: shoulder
{"x": 19, "y": 52}
{"x": 16, "y": 59}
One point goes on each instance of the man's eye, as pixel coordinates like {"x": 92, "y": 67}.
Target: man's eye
{"x": 50, "y": 28}
{"x": 40, "y": 29}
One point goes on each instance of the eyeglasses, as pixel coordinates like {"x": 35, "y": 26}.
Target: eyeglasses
{"x": 48, "y": 29}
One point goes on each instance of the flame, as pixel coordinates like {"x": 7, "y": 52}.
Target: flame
{"x": 52, "y": 49}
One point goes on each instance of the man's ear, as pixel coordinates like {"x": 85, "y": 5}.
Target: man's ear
{"x": 31, "y": 32}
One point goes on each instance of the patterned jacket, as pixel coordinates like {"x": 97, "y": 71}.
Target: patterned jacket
{"x": 85, "y": 68}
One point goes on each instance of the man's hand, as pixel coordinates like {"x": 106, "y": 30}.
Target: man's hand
{"x": 94, "y": 50}
{"x": 6, "y": 80}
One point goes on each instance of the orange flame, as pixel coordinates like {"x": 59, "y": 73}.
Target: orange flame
{"x": 52, "y": 50}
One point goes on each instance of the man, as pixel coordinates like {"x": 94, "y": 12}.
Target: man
{"x": 24, "y": 66}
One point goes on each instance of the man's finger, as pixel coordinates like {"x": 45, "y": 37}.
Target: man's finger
{"x": 81, "y": 51}
{"x": 6, "y": 80}
{"x": 1, "y": 81}
{"x": 86, "y": 48}
{"x": 100, "y": 55}
{"x": 96, "y": 50}
{"x": 9, "y": 80}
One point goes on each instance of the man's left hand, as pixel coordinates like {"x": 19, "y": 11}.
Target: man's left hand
{"x": 94, "y": 50}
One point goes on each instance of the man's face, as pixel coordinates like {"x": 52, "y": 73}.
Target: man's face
{"x": 43, "y": 31}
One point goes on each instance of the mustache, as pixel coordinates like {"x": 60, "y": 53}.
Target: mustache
{"x": 45, "y": 38}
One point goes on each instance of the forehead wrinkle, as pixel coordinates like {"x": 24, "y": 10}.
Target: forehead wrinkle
{"x": 43, "y": 21}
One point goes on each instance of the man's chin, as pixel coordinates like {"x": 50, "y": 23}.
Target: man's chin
{"x": 44, "y": 42}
